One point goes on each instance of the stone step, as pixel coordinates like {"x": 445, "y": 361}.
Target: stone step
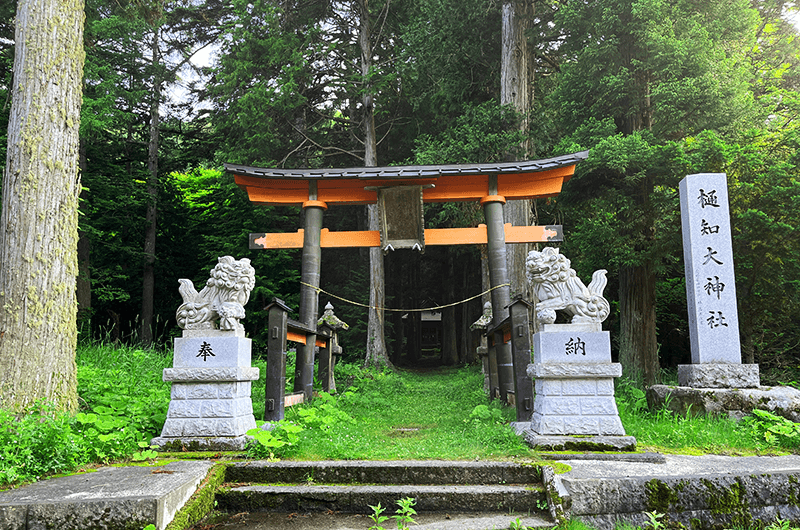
{"x": 359, "y": 499}
{"x": 446, "y": 492}
{"x": 351, "y": 521}
{"x": 394, "y": 472}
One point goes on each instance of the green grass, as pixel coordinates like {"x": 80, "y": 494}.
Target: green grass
{"x": 407, "y": 415}
{"x": 437, "y": 414}
{"x": 663, "y": 431}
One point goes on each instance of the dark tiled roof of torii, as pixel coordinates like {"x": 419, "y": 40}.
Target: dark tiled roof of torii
{"x": 411, "y": 172}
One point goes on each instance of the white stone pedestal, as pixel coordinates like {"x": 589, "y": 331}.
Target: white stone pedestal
{"x": 210, "y": 407}
{"x": 574, "y": 390}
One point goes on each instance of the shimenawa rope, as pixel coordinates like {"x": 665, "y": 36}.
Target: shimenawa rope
{"x": 403, "y": 310}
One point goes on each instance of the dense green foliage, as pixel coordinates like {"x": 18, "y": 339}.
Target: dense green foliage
{"x": 655, "y": 89}
{"x": 122, "y": 406}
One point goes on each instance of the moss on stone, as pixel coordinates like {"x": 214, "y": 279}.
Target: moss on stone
{"x": 731, "y": 501}
{"x": 660, "y": 496}
{"x": 201, "y": 503}
{"x": 794, "y": 493}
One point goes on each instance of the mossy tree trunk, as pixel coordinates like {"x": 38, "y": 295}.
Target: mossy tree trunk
{"x": 515, "y": 89}
{"x": 376, "y": 342}
{"x": 39, "y": 223}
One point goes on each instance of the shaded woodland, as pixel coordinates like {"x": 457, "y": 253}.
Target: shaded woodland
{"x": 655, "y": 89}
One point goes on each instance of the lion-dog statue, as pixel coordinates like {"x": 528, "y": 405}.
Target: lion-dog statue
{"x": 556, "y": 287}
{"x": 223, "y": 298}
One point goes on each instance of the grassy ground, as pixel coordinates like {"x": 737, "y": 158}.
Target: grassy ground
{"x": 436, "y": 414}
{"x": 439, "y": 414}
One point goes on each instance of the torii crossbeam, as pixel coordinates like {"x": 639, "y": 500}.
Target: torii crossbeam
{"x": 401, "y": 190}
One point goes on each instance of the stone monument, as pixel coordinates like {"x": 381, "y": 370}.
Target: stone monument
{"x": 574, "y": 406}
{"x": 716, "y": 382}
{"x": 210, "y": 406}
{"x": 711, "y": 288}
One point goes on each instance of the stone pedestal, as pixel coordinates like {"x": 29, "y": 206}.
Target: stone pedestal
{"x": 732, "y": 402}
{"x": 719, "y": 375}
{"x": 210, "y": 406}
{"x": 574, "y": 390}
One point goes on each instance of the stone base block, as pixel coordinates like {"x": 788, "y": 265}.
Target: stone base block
{"x": 718, "y": 375}
{"x": 207, "y": 427}
{"x": 202, "y": 408}
{"x": 569, "y": 402}
{"x": 211, "y": 375}
{"x": 575, "y": 443}
{"x": 202, "y": 443}
{"x": 733, "y": 402}
{"x": 573, "y": 370}
{"x": 566, "y": 425}
{"x": 224, "y": 390}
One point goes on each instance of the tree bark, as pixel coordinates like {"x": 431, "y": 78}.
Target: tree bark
{"x": 39, "y": 223}
{"x": 515, "y": 90}
{"x": 376, "y": 342}
{"x": 149, "y": 274}
{"x": 638, "y": 351}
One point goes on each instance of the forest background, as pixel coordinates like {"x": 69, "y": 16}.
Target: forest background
{"x": 656, "y": 89}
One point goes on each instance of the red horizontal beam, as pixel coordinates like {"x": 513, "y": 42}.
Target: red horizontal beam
{"x": 433, "y": 237}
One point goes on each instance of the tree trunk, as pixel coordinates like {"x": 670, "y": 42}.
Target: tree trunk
{"x": 514, "y": 57}
{"x": 149, "y": 274}
{"x": 638, "y": 350}
{"x": 515, "y": 90}
{"x": 83, "y": 288}
{"x": 376, "y": 342}
{"x": 39, "y": 223}
{"x": 449, "y": 340}
{"x": 414, "y": 349}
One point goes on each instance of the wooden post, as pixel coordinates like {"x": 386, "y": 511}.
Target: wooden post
{"x": 494, "y": 381}
{"x": 276, "y": 360}
{"x": 498, "y": 275}
{"x": 309, "y": 296}
{"x": 521, "y": 354}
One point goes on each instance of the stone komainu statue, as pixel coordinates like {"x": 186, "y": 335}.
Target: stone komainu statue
{"x": 556, "y": 287}
{"x": 223, "y": 298}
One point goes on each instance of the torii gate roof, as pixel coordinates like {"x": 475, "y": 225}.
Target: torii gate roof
{"x": 450, "y": 182}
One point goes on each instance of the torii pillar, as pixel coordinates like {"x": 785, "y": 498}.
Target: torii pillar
{"x": 498, "y": 278}
{"x": 309, "y": 289}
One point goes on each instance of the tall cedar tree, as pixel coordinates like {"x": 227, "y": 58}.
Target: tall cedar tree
{"x": 377, "y": 353}
{"x": 657, "y": 71}
{"x": 39, "y": 224}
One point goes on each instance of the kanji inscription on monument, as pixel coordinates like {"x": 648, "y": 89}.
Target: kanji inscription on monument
{"x": 205, "y": 351}
{"x": 710, "y": 280}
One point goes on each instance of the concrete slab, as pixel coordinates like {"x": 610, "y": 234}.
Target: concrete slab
{"x": 694, "y": 491}
{"x": 680, "y": 466}
{"x": 110, "y": 498}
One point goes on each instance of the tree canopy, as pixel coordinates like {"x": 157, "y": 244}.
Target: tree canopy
{"x": 655, "y": 89}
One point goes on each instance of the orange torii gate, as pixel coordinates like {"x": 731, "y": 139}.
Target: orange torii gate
{"x": 400, "y": 192}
